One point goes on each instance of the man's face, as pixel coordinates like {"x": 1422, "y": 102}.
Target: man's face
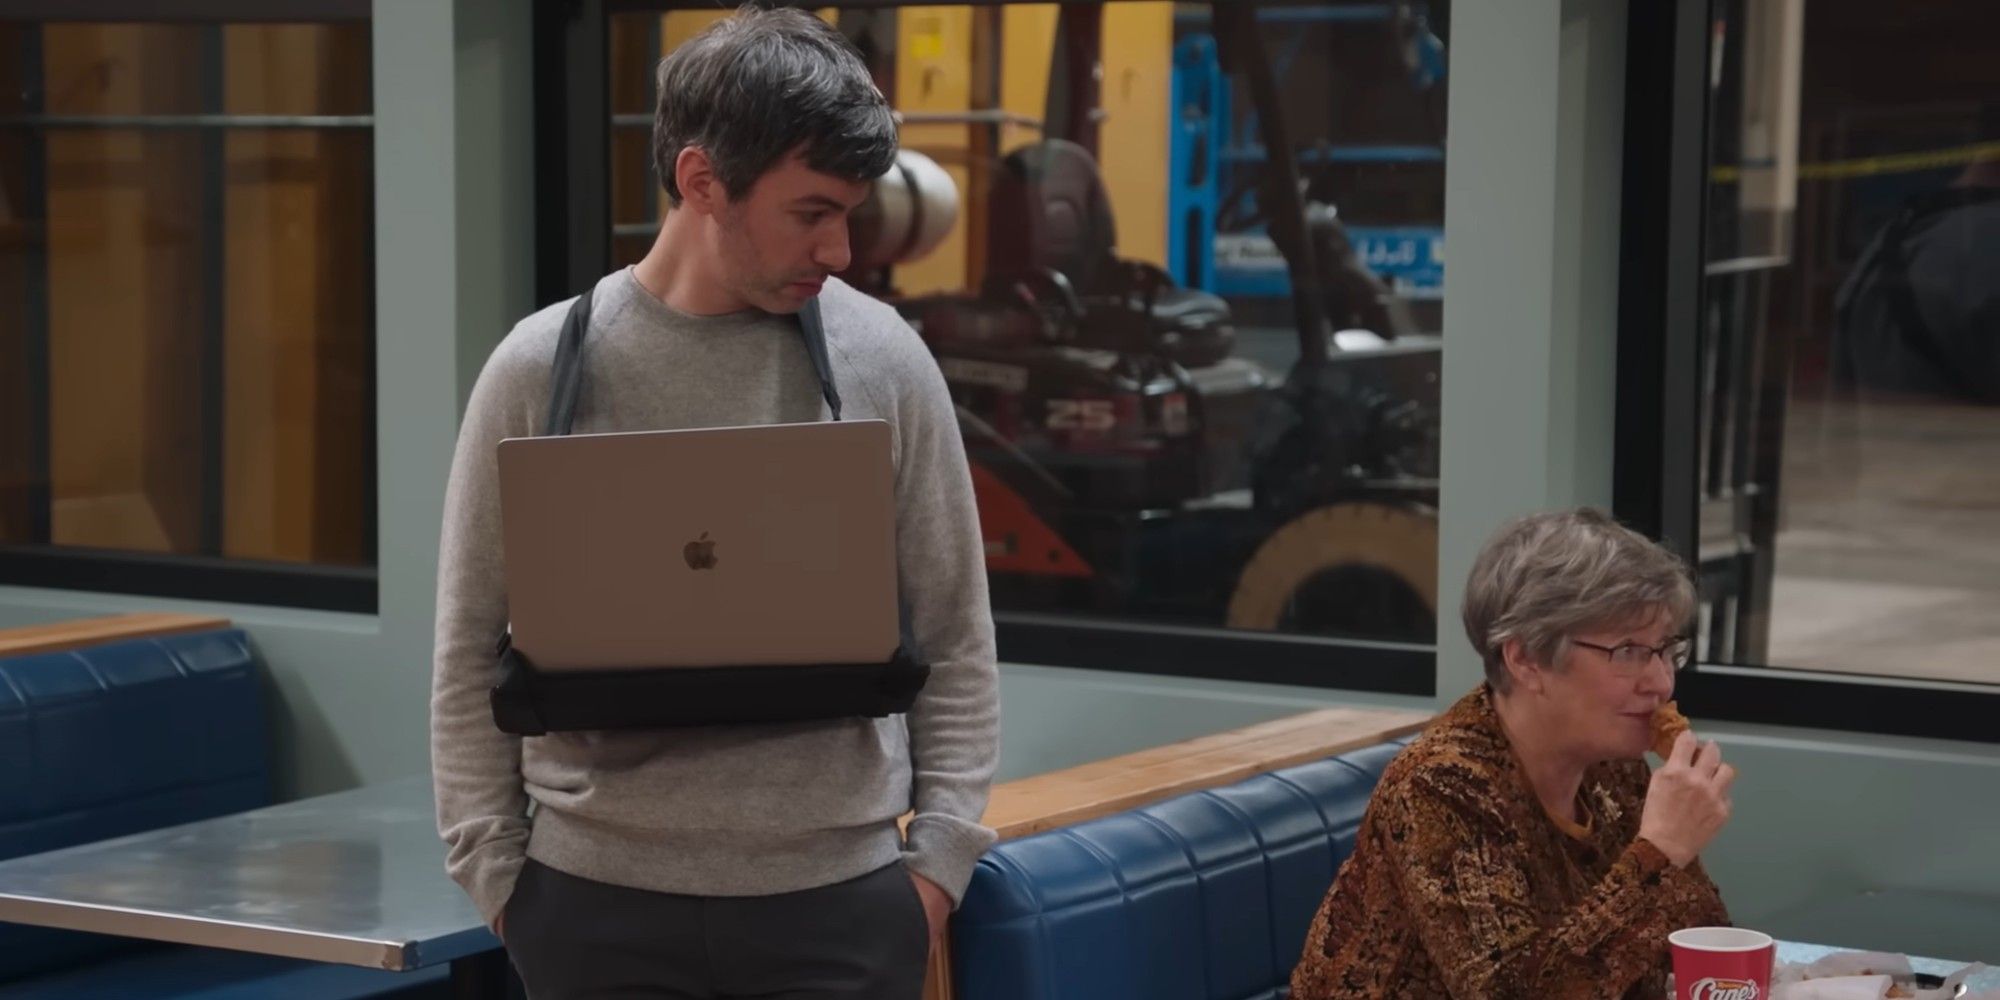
{"x": 786, "y": 235}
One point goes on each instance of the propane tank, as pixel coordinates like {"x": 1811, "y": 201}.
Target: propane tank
{"x": 909, "y": 211}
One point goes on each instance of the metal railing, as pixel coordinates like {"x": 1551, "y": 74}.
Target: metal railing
{"x": 990, "y": 117}
{"x": 192, "y": 121}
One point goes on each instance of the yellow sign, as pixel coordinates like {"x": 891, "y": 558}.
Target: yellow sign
{"x": 926, "y": 38}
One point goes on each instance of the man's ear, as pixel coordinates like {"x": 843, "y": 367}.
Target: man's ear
{"x": 1524, "y": 672}
{"x": 701, "y": 189}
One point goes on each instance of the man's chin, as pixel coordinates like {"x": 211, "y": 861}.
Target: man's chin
{"x": 777, "y": 303}
{"x": 787, "y": 300}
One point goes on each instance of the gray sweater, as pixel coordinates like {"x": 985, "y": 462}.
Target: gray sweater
{"x": 724, "y": 811}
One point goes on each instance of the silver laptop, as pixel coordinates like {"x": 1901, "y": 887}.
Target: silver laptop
{"x": 743, "y": 546}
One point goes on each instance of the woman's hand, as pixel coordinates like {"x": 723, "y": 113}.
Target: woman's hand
{"x": 1688, "y": 800}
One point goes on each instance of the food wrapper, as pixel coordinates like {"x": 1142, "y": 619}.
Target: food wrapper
{"x": 1861, "y": 975}
{"x": 1951, "y": 984}
{"x": 1861, "y": 963}
{"x": 1835, "y": 988}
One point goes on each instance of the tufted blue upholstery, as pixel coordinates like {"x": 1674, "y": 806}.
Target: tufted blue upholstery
{"x": 1202, "y": 897}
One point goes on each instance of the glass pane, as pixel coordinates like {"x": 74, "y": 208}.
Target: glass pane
{"x": 637, "y": 202}
{"x": 1851, "y": 340}
{"x": 23, "y": 484}
{"x": 298, "y": 306}
{"x": 195, "y": 365}
{"x": 1114, "y": 273}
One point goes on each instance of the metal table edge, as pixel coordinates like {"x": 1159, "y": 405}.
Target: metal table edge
{"x": 393, "y": 956}
{"x": 450, "y": 948}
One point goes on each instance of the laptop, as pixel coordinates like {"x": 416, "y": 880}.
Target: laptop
{"x": 742, "y": 546}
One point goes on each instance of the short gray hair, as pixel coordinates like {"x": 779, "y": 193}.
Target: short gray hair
{"x": 757, "y": 85}
{"x": 1542, "y": 577}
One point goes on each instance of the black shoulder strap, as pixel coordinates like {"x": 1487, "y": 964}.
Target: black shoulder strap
{"x": 815, "y": 335}
{"x": 566, "y": 377}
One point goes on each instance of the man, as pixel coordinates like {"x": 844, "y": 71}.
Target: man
{"x": 745, "y": 860}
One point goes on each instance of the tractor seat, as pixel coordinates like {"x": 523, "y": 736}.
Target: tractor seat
{"x": 1188, "y": 311}
{"x": 1057, "y": 219}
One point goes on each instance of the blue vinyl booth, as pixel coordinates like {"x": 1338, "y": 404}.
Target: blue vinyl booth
{"x": 1206, "y": 896}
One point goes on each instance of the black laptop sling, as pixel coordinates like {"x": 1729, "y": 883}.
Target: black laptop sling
{"x": 531, "y": 702}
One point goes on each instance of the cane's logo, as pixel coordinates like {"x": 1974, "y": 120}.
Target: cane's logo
{"x": 1723, "y": 989}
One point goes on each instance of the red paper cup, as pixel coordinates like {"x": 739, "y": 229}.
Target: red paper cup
{"x": 1722, "y": 963}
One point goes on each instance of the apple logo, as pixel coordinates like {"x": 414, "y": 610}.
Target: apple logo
{"x": 700, "y": 553}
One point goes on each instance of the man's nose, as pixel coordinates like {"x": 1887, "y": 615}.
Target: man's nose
{"x": 833, "y": 252}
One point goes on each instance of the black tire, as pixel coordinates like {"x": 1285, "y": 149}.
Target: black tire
{"x": 1356, "y": 569}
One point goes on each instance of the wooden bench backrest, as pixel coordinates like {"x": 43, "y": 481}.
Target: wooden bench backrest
{"x": 80, "y": 632}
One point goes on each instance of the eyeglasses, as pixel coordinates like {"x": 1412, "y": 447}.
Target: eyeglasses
{"x": 1635, "y": 656}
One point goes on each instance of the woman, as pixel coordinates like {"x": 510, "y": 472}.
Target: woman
{"x": 1520, "y": 848}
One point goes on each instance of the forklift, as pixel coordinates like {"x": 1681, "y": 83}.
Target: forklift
{"x": 1133, "y": 450}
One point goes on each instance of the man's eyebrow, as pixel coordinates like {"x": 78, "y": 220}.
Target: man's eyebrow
{"x": 821, "y": 201}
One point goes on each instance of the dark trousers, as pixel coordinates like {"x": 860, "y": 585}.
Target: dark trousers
{"x": 575, "y": 939}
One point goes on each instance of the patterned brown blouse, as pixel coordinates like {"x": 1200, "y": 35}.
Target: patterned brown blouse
{"x": 1462, "y": 885}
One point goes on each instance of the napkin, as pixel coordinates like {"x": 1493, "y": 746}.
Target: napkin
{"x": 1952, "y": 982}
{"x": 1835, "y": 988}
{"x": 1861, "y": 963}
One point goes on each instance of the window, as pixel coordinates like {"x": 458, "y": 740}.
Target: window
{"x": 1832, "y": 351}
{"x": 1202, "y": 421}
{"x": 187, "y": 360}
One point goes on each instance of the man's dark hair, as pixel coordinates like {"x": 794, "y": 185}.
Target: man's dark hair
{"x": 762, "y": 83}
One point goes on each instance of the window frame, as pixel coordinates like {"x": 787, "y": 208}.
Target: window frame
{"x": 572, "y": 141}
{"x": 186, "y": 11}
{"x": 187, "y": 577}
{"x": 1656, "y": 474}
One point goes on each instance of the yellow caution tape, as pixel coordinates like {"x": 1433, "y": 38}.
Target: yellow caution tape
{"x": 1868, "y": 166}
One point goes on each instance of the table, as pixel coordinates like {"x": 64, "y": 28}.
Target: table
{"x": 1098, "y": 788}
{"x": 355, "y": 878}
